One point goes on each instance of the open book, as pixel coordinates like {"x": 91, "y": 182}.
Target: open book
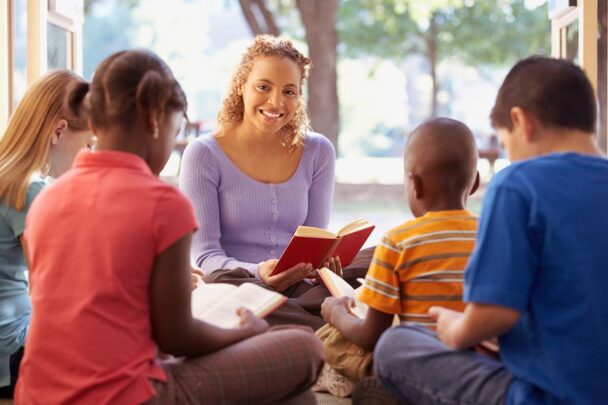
{"x": 340, "y": 288}
{"x": 217, "y": 303}
{"x": 316, "y": 245}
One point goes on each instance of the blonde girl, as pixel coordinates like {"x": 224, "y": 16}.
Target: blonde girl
{"x": 40, "y": 142}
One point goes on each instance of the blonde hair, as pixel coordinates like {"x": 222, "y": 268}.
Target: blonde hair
{"x": 26, "y": 144}
{"x": 232, "y": 109}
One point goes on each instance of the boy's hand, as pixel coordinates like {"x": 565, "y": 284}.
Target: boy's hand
{"x": 251, "y": 322}
{"x": 335, "y": 307}
{"x": 284, "y": 279}
{"x": 447, "y": 322}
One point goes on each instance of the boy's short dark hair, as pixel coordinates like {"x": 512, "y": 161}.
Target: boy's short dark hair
{"x": 445, "y": 150}
{"x": 555, "y": 91}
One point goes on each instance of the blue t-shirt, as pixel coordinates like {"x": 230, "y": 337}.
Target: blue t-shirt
{"x": 15, "y": 305}
{"x": 543, "y": 250}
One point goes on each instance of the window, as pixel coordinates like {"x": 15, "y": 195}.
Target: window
{"x": 36, "y": 36}
{"x": 576, "y": 36}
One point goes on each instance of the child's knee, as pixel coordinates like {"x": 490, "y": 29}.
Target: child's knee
{"x": 304, "y": 343}
{"x": 314, "y": 347}
{"x": 393, "y": 349}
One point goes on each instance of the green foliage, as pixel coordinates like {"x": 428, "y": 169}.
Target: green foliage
{"x": 497, "y": 32}
{"x": 383, "y": 28}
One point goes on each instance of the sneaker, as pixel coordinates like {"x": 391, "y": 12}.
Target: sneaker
{"x": 333, "y": 382}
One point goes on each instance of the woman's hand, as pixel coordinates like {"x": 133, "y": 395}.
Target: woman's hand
{"x": 335, "y": 307}
{"x": 285, "y": 279}
{"x": 333, "y": 264}
{"x": 251, "y": 322}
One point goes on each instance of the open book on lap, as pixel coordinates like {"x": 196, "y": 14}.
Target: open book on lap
{"x": 340, "y": 288}
{"x": 217, "y": 303}
{"x": 316, "y": 245}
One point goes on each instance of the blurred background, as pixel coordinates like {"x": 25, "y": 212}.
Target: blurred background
{"x": 381, "y": 67}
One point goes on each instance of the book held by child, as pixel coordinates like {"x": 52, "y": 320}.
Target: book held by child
{"x": 217, "y": 303}
{"x": 316, "y": 245}
{"x": 340, "y": 288}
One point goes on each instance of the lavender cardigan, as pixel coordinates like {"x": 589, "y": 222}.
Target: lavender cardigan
{"x": 243, "y": 221}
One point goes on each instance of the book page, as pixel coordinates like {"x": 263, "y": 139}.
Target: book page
{"x": 207, "y": 295}
{"x": 311, "y": 231}
{"x": 354, "y": 226}
{"x": 340, "y": 288}
{"x": 257, "y": 299}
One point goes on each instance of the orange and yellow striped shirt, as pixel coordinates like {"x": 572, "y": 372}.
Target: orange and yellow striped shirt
{"x": 421, "y": 264}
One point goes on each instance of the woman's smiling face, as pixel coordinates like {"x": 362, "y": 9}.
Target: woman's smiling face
{"x": 270, "y": 93}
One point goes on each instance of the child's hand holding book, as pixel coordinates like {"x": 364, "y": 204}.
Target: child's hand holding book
{"x": 197, "y": 277}
{"x": 333, "y": 307}
{"x": 251, "y": 322}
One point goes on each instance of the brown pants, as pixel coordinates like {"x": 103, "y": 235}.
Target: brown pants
{"x": 274, "y": 367}
{"x": 304, "y": 304}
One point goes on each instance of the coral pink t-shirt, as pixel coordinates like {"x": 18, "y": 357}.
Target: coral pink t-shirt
{"x": 92, "y": 239}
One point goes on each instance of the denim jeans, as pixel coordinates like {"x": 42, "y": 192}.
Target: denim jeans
{"x": 414, "y": 365}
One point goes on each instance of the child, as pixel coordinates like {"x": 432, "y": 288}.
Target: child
{"x": 41, "y": 140}
{"x": 537, "y": 278}
{"x": 111, "y": 283}
{"x": 419, "y": 263}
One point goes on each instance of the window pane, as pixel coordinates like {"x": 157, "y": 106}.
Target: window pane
{"x": 57, "y": 47}
{"x": 572, "y": 53}
{"x": 19, "y": 34}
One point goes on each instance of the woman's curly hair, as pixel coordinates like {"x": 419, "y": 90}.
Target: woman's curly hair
{"x": 232, "y": 109}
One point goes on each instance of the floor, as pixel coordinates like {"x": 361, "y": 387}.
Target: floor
{"x": 322, "y": 399}
{"x": 327, "y": 399}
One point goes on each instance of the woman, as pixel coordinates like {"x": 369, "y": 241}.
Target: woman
{"x": 41, "y": 139}
{"x": 259, "y": 177}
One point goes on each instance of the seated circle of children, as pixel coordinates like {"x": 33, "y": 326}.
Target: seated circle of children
{"x": 419, "y": 263}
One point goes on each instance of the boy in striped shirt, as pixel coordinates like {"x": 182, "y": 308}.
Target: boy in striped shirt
{"x": 420, "y": 263}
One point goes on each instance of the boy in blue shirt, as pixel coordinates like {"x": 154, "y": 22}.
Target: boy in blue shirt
{"x": 538, "y": 277}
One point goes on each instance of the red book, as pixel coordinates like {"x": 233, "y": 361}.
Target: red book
{"x": 316, "y": 245}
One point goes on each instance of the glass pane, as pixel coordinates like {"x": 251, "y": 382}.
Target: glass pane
{"x": 19, "y": 68}
{"x": 572, "y": 43}
{"x": 57, "y": 47}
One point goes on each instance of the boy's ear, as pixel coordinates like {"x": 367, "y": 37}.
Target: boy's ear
{"x": 523, "y": 123}
{"x": 476, "y": 184}
{"x": 58, "y": 130}
{"x": 416, "y": 187}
